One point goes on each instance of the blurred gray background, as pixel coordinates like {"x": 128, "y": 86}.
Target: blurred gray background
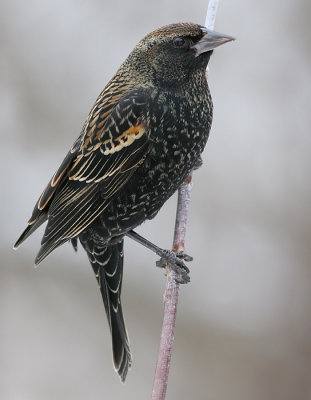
{"x": 244, "y": 325}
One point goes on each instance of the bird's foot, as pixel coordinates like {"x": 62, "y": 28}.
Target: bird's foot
{"x": 176, "y": 261}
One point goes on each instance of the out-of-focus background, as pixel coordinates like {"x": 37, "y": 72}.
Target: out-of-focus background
{"x": 244, "y": 322}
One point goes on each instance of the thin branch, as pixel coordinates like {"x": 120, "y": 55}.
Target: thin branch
{"x": 171, "y": 296}
{"x": 211, "y": 14}
{"x": 172, "y": 286}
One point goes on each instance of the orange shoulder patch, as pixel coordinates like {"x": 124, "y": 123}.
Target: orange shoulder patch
{"x": 110, "y": 146}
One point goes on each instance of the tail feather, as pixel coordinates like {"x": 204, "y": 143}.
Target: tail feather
{"x": 107, "y": 263}
{"x": 47, "y": 248}
{"x": 31, "y": 227}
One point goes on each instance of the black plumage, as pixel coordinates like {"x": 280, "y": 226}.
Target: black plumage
{"x": 143, "y": 136}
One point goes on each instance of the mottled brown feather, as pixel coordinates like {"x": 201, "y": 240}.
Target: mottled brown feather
{"x": 108, "y": 160}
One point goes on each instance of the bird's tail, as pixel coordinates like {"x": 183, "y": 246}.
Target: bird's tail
{"x": 107, "y": 263}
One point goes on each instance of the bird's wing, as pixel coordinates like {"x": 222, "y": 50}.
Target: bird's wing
{"x": 113, "y": 144}
{"x": 98, "y": 116}
{"x": 40, "y": 211}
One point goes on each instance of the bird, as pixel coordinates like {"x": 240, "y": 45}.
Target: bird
{"x": 143, "y": 136}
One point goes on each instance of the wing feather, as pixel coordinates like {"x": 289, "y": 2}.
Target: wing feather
{"x": 113, "y": 143}
{"x": 102, "y": 165}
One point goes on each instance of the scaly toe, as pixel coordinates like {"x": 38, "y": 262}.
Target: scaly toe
{"x": 161, "y": 263}
{"x": 183, "y": 256}
{"x": 175, "y": 260}
{"x": 182, "y": 278}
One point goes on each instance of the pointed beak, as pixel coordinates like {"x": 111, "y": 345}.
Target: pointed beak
{"x": 210, "y": 40}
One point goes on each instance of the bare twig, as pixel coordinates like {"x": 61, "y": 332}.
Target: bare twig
{"x": 211, "y": 14}
{"x": 171, "y": 296}
{"x": 172, "y": 286}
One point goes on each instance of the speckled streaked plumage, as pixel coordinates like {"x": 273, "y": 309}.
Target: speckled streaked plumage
{"x": 143, "y": 136}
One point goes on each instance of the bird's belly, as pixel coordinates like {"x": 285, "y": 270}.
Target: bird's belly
{"x": 153, "y": 182}
{"x": 150, "y": 187}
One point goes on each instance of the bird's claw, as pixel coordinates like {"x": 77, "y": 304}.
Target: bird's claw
{"x": 175, "y": 260}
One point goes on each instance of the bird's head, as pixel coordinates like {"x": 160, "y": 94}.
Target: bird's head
{"x": 174, "y": 52}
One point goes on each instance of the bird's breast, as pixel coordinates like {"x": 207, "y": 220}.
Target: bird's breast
{"x": 178, "y": 131}
{"x": 178, "y": 139}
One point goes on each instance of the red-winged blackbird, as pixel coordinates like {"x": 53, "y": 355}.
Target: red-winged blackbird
{"x": 143, "y": 136}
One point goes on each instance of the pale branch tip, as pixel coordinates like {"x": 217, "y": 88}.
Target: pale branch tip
{"x": 211, "y": 14}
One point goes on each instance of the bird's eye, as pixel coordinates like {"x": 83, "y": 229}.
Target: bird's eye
{"x": 178, "y": 42}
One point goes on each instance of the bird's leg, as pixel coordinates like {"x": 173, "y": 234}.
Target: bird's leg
{"x": 167, "y": 256}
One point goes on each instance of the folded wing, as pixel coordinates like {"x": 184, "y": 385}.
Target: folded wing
{"x": 113, "y": 143}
